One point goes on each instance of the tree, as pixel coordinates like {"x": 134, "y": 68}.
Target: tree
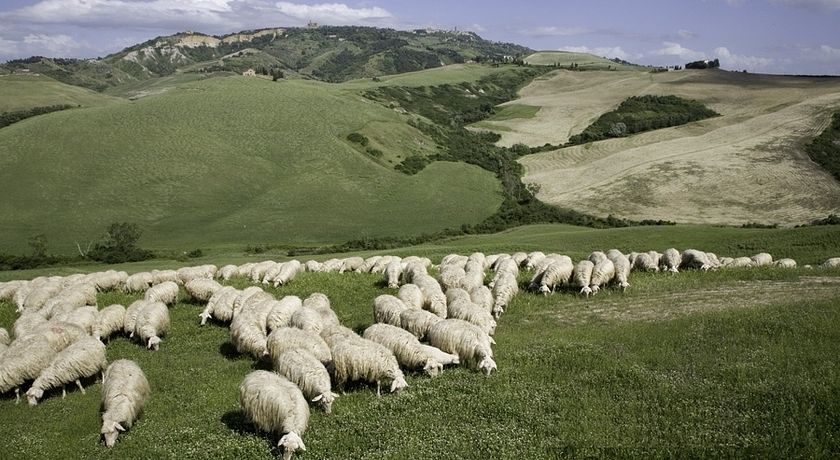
{"x": 38, "y": 243}
{"x": 120, "y": 245}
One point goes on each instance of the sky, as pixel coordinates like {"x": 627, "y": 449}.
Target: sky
{"x": 766, "y": 36}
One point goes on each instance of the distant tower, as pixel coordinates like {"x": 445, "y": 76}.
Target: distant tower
{"x": 312, "y": 24}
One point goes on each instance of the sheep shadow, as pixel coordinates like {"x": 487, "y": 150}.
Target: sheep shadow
{"x": 229, "y": 351}
{"x": 236, "y": 422}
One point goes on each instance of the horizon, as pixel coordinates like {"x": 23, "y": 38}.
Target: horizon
{"x": 760, "y": 36}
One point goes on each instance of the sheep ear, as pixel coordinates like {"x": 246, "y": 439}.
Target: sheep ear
{"x": 119, "y": 427}
{"x": 317, "y": 398}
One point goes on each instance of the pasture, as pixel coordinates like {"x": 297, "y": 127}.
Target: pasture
{"x": 23, "y": 92}
{"x": 732, "y": 362}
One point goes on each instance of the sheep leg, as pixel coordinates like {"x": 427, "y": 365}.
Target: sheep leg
{"x": 378, "y": 393}
{"x": 63, "y": 392}
{"x": 17, "y": 395}
{"x": 81, "y": 388}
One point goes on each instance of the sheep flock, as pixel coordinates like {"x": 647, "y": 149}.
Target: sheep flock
{"x": 432, "y": 317}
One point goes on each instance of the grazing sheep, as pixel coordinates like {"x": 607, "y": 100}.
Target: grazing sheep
{"x": 308, "y": 320}
{"x": 276, "y": 405}
{"x": 393, "y": 272}
{"x": 166, "y": 293}
{"x": 9, "y": 288}
{"x": 491, "y": 260}
{"x": 152, "y": 322}
{"x": 245, "y": 297}
{"x": 507, "y": 266}
{"x": 387, "y": 309}
{"x": 5, "y": 340}
{"x": 405, "y": 347}
{"x": 762, "y": 259}
{"x": 461, "y": 307}
{"x": 785, "y": 263}
{"x": 81, "y": 359}
{"x": 220, "y": 305}
{"x": 69, "y": 299}
{"x": 124, "y": 393}
{"x": 282, "y": 311}
{"x": 370, "y": 262}
{"x": 27, "y": 323}
{"x": 622, "y": 270}
{"x": 740, "y": 262}
{"x": 671, "y": 260}
{"x": 24, "y": 360}
{"x": 365, "y": 360}
{"x": 519, "y": 257}
{"x": 411, "y": 296}
{"x": 602, "y": 273}
{"x": 466, "y": 340}
{"x": 450, "y": 277}
{"x": 321, "y": 304}
{"x": 286, "y": 273}
{"x": 86, "y": 317}
{"x": 244, "y": 270}
{"x": 656, "y": 258}
{"x": 483, "y": 297}
{"x": 418, "y": 322}
{"x": 582, "y": 276}
{"x": 60, "y": 335}
{"x": 201, "y": 289}
{"x": 227, "y": 272}
{"x": 248, "y": 330}
{"x": 187, "y": 274}
{"x": 597, "y": 256}
{"x": 290, "y": 338}
{"x": 833, "y": 262}
{"x": 440, "y": 356}
{"x": 351, "y": 264}
{"x": 40, "y": 295}
{"x": 533, "y": 259}
{"x": 313, "y": 266}
{"x": 504, "y": 290}
{"x": 692, "y": 258}
{"x": 305, "y": 371}
{"x": 111, "y": 320}
{"x": 162, "y": 276}
{"x": 382, "y": 264}
{"x": 138, "y": 282}
{"x": 413, "y": 270}
{"x": 644, "y": 262}
{"x": 557, "y": 273}
{"x": 334, "y": 334}
{"x": 433, "y": 298}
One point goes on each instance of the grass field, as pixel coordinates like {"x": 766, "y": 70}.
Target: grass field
{"x": 746, "y": 165}
{"x": 22, "y": 92}
{"x": 727, "y": 363}
{"x": 229, "y": 160}
{"x": 584, "y": 61}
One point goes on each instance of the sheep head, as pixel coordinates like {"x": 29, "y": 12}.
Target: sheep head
{"x": 33, "y": 395}
{"x": 398, "y": 383}
{"x": 487, "y": 365}
{"x": 586, "y": 291}
{"x": 624, "y": 285}
{"x": 154, "y": 343}
{"x": 205, "y": 316}
{"x": 326, "y": 400}
{"x": 110, "y": 431}
{"x": 545, "y": 290}
{"x": 290, "y": 443}
{"x": 595, "y": 288}
{"x": 433, "y": 368}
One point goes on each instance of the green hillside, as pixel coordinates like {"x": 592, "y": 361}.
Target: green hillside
{"x": 584, "y": 61}
{"x": 22, "y": 92}
{"x": 228, "y": 159}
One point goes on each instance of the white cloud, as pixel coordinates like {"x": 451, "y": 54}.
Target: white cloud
{"x": 478, "y": 28}
{"x": 333, "y": 13}
{"x": 55, "y": 45}
{"x": 677, "y": 50}
{"x": 605, "y": 51}
{"x": 737, "y": 62}
{"x": 554, "y": 31}
{"x": 686, "y": 34}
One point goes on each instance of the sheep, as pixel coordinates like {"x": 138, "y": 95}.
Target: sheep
{"x": 69, "y": 299}
{"x": 60, "y": 335}
{"x": 312, "y": 266}
{"x": 713, "y": 260}
{"x": 519, "y": 257}
{"x": 483, "y": 297}
{"x": 405, "y": 347}
{"x": 259, "y": 270}
{"x": 368, "y": 265}
{"x": 506, "y": 266}
{"x": 411, "y": 296}
{"x": 740, "y": 262}
{"x": 125, "y": 390}
{"x": 282, "y": 311}
{"x": 833, "y": 262}
{"x": 762, "y": 259}
{"x": 107, "y": 281}
{"x": 532, "y": 259}
{"x": 393, "y": 271}
{"x": 656, "y": 257}
{"x": 602, "y": 273}
{"x": 692, "y": 258}
{"x": 582, "y": 276}
{"x": 387, "y": 309}
{"x": 597, "y": 256}
{"x": 227, "y": 272}
{"x": 276, "y": 405}
{"x": 8, "y": 289}
{"x": 131, "y": 314}
{"x": 40, "y": 295}
{"x": 671, "y": 260}
{"x": 504, "y": 290}
{"x": 111, "y": 320}
{"x": 201, "y": 289}
{"x": 453, "y": 260}
{"x": 244, "y": 270}
{"x": 162, "y": 276}
{"x": 644, "y": 262}
{"x": 166, "y": 293}
{"x": 309, "y": 374}
{"x": 559, "y": 272}
{"x": 466, "y": 340}
{"x": 290, "y": 338}
{"x": 220, "y": 305}
{"x": 351, "y": 264}
{"x": 450, "y": 277}
{"x": 138, "y": 282}
{"x": 463, "y": 308}
{"x": 321, "y": 304}
{"x": 244, "y": 297}
{"x": 286, "y": 273}
{"x": 27, "y": 323}
{"x": 365, "y": 360}
{"x": 19, "y": 296}
{"x": 187, "y": 274}
{"x": 785, "y": 263}
{"x": 332, "y": 265}
{"x": 418, "y": 322}
{"x": 382, "y": 264}
{"x": 491, "y": 260}
{"x": 622, "y": 269}
{"x": 86, "y": 317}
{"x": 248, "y": 331}
{"x": 152, "y": 323}
{"x": 5, "y": 340}
{"x": 413, "y": 270}
{"x": 334, "y": 334}
{"x": 433, "y": 298}
{"x": 308, "y": 320}
{"x": 24, "y": 360}
{"x": 81, "y": 359}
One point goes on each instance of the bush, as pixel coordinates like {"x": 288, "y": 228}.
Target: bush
{"x": 376, "y": 153}
{"x": 825, "y": 148}
{"x": 7, "y": 118}
{"x": 358, "y": 139}
{"x": 120, "y": 245}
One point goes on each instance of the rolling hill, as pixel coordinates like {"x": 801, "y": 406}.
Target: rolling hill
{"x": 22, "y": 92}
{"x": 747, "y": 165}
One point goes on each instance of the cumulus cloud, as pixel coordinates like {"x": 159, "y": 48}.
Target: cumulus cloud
{"x": 553, "y": 31}
{"x": 41, "y": 44}
{"x": 677, "y": 50}
{"x": 736, "y": 61}
{"x": 334, "y": 13}
{"x": 605, "y": 51}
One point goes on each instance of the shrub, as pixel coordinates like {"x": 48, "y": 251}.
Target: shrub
{"x": 120, "y": 245}
{"x": 358, "y": 139}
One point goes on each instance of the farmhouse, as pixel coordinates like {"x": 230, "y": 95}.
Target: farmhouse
{"x": 249, "y": 73}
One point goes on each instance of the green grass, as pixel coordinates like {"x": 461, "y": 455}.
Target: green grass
{"x": 23, "y": 92}
{"x": 756, "y": 380}
{"x": 513, "y": 111}
{"x": 228, "y": 160}
{"x": 583, "y": 60}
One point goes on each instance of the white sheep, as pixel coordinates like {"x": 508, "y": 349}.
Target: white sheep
{"x": 248, "y": 330}
{"x": 365, "y": 360}
{"x": 309, "y": 374}
{"x": 9, "y": 288}
{"x": 393, "y": 272}
{"x": 162, "y": 276}
{"x": 5, "y": 340}
{"x": 308, "y": 320}
{"x": 201, "y": 289}
{"x": 321, "y": 304}
{"x": 461, "y": 307}
{"x": 671, "y": 260}
{"x": 602, "y": 273}
{"x": 433, "y": 298}
{"x": 220, "y": 305}
{"x": 40, "y": 295}
{"x": 533, "y": 259}
{"x": 483, "y": 297}
{"x": 227, "y": 272}
{"x": 387, "y": 309}
{"x": 151, "y": 323}
{"x": 644, "y": 262}
{"x": 111, "y": 320}
{"x": 124, "y": 393}
{"x": 597, "y": 256}
{"x": 582, "y": 276}
{"x": 412, "y": 270}
{"x": 81, "y": 359}
{"x": 692, "y": 258}
{"x": 368, "y": 265}
{"x": 411, "y": 296}
{"x": 557, "y": 273}
{"x": 27, "y": 323}
{"x": 450, "y": 277}
{"x": 313, "y": 266}
{"x": 85, "y": 317}
{"x": 785, "y": 263}
{"x": 505, "y": 289}
{"x": 351, "y": 264}
{"x": 656, "y": 258}
{"x": 440, "y": 356}
{"x": 286, "y": 273}
{"x": 249, "y": 295}
{"x": 762, "y": 259}
{"x": 833, "y": 262}
{"x": 405, "y": 347}
{"x": 290, "y": 338}
{"x": 622, "y": 270}
{"x": 276, "y": 405}
{"x": 466, "y": 340}
{"x": 186, "y": 274}
{"x": 244, "y": 270}
{"x": 418, "y": 322}
{"x": 519, "y": 257}
{"x": 740, "y": 262}
{"x": 282, "y": 311}
{"x": 165, "y": 292}
{"x": 138, "y": 282}
{"x": 334, "y": 334}
{"x": 24, "y": 360}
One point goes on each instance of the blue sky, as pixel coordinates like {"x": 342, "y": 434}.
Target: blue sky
{"x": 770, "y": 36}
